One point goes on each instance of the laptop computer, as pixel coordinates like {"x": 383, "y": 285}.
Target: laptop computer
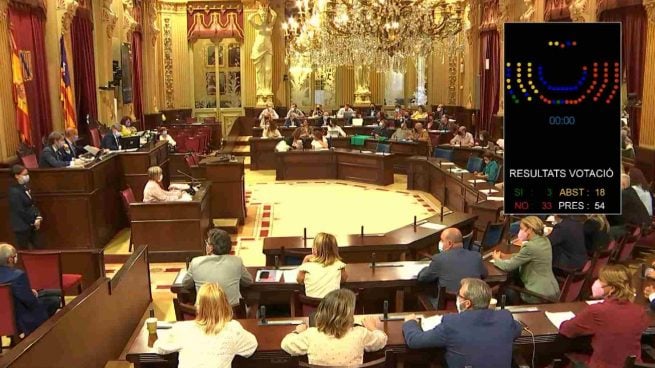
{"x": 130, "y": 142}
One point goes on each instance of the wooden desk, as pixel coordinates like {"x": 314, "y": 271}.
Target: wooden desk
{"x": 344, "y": 164}
{"x": 403, "y": 150}
{"x": 262, "y": 153}
{"x": 461, "y": 154}
{"x": 228, "y": 191}
{"x": 80, "y": 206}
{"x": 215, "y": 128}
{"x": 135, "y": 165}
{"x": 269, "y": 353}
{"x": 454, "y": 190}
{"x": 397, "y": 245}
{"x": 392, "y": 281}
{"x": 173, "y": 230}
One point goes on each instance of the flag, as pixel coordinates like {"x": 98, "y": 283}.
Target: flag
{"x": 65, "y": 92}
{"x": 20, "y": 98}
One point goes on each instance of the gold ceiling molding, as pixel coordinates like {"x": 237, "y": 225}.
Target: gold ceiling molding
{"x": 69, "y": 7}
{"x": 172, "y": 7}
{"x": 209, "y": 6}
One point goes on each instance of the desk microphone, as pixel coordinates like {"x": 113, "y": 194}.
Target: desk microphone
{"x": 373, "y": 260}
{"x": 385, "y": 310}
{"x": 277, "y": 262}
{"x": 193, "y": 180}
{"x": 262, "y": 315}
{"x": 503, "y": 300}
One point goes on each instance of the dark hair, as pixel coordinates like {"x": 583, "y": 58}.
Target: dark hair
{"x": 637, "y": 178}
{"x": 125, "y": 119}
{"x": 220, "y": 241}
{"x": 53, "y": 137}
{"x": 488, "y": 154}
{"x": 16, "y": 169}
{"x": 485, "y": 135}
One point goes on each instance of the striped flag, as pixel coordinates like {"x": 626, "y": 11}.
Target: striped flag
{"x": 65, "y": 92}
{"x": 20, "y": 98}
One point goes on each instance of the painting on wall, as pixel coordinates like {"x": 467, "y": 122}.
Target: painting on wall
{"x": 210, "y": 83}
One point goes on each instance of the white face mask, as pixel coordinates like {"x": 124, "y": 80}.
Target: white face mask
{"x": 440, "y": 246}
{"x": 24, "y": 179}
{"x": 460, "y": 306}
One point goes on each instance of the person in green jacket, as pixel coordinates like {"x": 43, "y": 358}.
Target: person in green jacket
{"x": 490, "y": 171}
{"x": 534, "y": 261}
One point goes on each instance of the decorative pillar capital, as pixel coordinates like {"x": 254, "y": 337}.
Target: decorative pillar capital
{"x": 108, "y": 17}
{"x": 69, "y": 7}
{"x": 650, "y": 10}
{"x": 153, "y": 24}
{"x": 578, "y": 10}
{"x": 129, "y": 23}
{"x": 528, "y": 14}
{"x": 4, "y": 13}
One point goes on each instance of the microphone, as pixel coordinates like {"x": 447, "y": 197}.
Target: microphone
{"x": 386, "y": 310}
{"x": 193, "y": 180}
{"x": 503, "y": 300}
{"x": 262, "y": 315}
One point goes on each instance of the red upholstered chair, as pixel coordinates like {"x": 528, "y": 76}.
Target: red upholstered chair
{"x": 7, "y": 317}
{"x": 302, "y": 305}
{"x": 204, "y": 141}
{"x": 628, "y": 245}
{"x": 181, "y": 142}
{"x": 190, "y": 161}
{"x": 183, "y": 311}
{"x": 29, "y": 161}
{"x": 193, "y": 144}
{"x": 570, "y": 290}
{"x": 442, "y": 301}
{"x": 95, "y": 137}
{"x": 127, "y": 197}
{"x": 44, "y": 272}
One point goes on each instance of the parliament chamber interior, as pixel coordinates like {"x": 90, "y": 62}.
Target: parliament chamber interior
{"x": 327, "y": 183}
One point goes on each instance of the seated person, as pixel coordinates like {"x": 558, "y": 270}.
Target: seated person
{"x": 420, "y": 114}
{"x": 265, "y": 120}
{"x": 372, "y": 111}
{"x": 218, "y": 266}
{"x": 633, "y": 211}
{"x": 319, "y": 142}
{"x": 318, "y": 111}
{"x": 615, "y": 325}
{"x": 397, "y": 112}
{"x": 484, "y": 139}
{"x": 70, "y": 150}
{"x": 640, "y": 186}
{"x": 31, "y": 308}
{"x": 440, "y": 111}
{"x": 336, "y": 340}
{"x": 346, "y": 109}
{"x": 422, "y": 135}
{"x": 567, "y": 240}
{"x": 626, "y": 143}
{"x": 324, "y": 119}
{"x": 297, "y": 142}
{"x": 447, "y": 124}
{"x": 405, "y": 118}
{"x": 462, "y": 138}
{"x": 267, "y": 110}
{"x": 293, "y": 112}
{"x": 304, "y": 130}
{"x": 110, "y": 140}
{"x": 453, "y": 262}
{"x": 490, "y": 171}
{"x": 153, "y": 192}
{"x": 534, "y": 262}
{"x": 126, "y": 127}
{"x": 322, "y": 271}
{"x": 430, "y": 124}
{"x": 164, "y": 136}
{"x": 52, "y": 155}
{"x": 596, "y": 233}
{"x": 381, "y": 131}
{"x": 403, "y": 133}
{"x": 271, "y": 131}
{"x": 334, "y": 131}
{"x": 475, "y": 337}
{"x": 213, "y": 338}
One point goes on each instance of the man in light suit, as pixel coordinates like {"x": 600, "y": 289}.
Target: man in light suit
{"x": 475, "y": 337}
{"x": 218, "y": 266}
{"x": 453, "y": 262}
{"x": 31, "y": 308}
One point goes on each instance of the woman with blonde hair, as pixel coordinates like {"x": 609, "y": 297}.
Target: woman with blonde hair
{"x": 534, "y": 262}
{"x": 612, "y": 341}
{"x": 322, "y": 271}
{"x": 213, "y": 338}
{"x": 336, "y": 340}
{"x": 153, "y": 192}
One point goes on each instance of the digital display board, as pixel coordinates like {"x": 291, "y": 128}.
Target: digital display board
{"x": 562, "y": 118}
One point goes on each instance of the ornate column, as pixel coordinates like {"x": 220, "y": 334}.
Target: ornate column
{"x": 421, "y": 81}
{"x": 261, "y": 54}
{"x": 502, "y": 17}
{"x": 151, "y": 60}
{"x": 647, "y": 133}
{"x": 469, "y": 69}
{"x": 128, "y": 26}
{"x": 8, "y": 136}
{"x": 104, "y": 20}
{"x": 53, "y": 63}
{"x": 175, "y": 56}
{"x": 362, "y": 85}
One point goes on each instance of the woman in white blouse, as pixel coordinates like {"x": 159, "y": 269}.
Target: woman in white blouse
{"x": 333, "y": 130}
{"x": 336, "y": 340}
{"x": 153, "y": 192}
{"x": 319, "y": 141}
{"x": 213, "y": 338}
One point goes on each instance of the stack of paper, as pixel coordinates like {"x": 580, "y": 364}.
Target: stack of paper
{"x": 447, "y": 163}
{"x": 180, "y": 277}
{"x": 290, "y": 276}
{"x": 430, "y": 225}
{"x": 488, "y": 191}
{"x": 475, "y": 181}
{"x": 428, "y": 323}
{"x": 557, "y": 318}
{"x": 592, "y": 302}
{"x": 495, "y": 199}
{"x": 268, "y": 276}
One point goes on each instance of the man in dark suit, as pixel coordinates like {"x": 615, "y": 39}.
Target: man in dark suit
{"x": 453, "y": 262}
{"x": 31, "y": 307}
{"x": 567, "y": 240}
{"x": 476, "y": 337}
{"x": 110, "y": 140}
{"x": 633, "y": 210}
{"x": 24, "y": 217}
{"x": 372, "y": 111}
{"x": 70, "y": 150}
{"x": 51, "y": 156}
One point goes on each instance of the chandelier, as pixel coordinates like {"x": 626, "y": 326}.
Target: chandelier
{"x": 380, "y": 33}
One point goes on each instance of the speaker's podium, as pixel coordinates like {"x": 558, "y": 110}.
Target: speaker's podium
{"x": 173, "y": 230}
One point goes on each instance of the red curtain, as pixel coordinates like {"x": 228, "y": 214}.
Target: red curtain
{"x": 137, "y": 70}
{"x": 489, "y": 78}
{"x": 85, "y": 71}
{"x": 633, "y": 21}
{"x": 28, "y": 27}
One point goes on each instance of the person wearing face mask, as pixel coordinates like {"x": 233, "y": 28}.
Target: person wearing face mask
{"x": 218, "y": 266}
{"x": 484, "y": 139}
{"x": 31, "y": 307}
{"x": 153, "y": 192}
{"x": 24, "y": 217}
{"x": 452, "y": 263}
{"x": 163, "y": 136}
{"x": 490, "y": 171}
{"x": 70, "y": 150}
{"x": 462, "y": 138}
{"x": 292, "y": 115}
{"x": 334, "y": 131}
{"x": 325, "y": 119}
{"x": 534, "y": 262}
{"x": 318, "y": 111}
{"x": 397, "y": 112}
{"x": 567, "y": 240}
{"x": 615, "y": 325}
{"x": 110, "y": 140}
{"x": 403, "y": 133}
{"x": 52, "y": 155}
{"x": 381, "y": 131}
{"x": 420, "y": 114}
{"x": 475, "y": 337}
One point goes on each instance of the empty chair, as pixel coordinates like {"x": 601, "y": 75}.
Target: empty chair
{"x": 493, "y": 235}
{"x": 181, "y": 142}
{"x": 467, "y": 240}
{"x": 628, "y": 245}
{"x": 443, "y": 153}
{"x": 44, "y": 272}
{"x": 383, "y": 147}
{"x": 95, "y": 137}
{"x": 474, "y": 164}
{"x": 302, "y": 305}
{"x": 29, "y": 161}
{"x": 7, "y": 317}
{"x": 444, "y": 300}
{"x": 193, "y": 144}
{"x": 127, "y": 198}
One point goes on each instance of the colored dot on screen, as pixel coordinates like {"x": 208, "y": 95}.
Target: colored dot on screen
{"x": 509, "y": 64}
{"x": 523, "y": 90}
{"x": 508, "y": 80}
{"x": 605, "y": 63}
{"x": 574, "y": 43}
{"x": 568, "y": 43}
{"x": 529, "y": 64}
{"x": 509, "y": 87}
{"x": 536, "y": 91}
{"x": 529, "y": 75}
{"x": 550, "y": 43}
{"x": 556, "y": 43}
{"x": 562, "y": 46}
{"x": 595, "y": 99}
{"x": 584, "y": 67}
{"x": 529, "y": 98}
{"x": 518, "y": 64}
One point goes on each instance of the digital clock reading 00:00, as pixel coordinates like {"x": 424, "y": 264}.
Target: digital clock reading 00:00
{"x": 561, "y": 120}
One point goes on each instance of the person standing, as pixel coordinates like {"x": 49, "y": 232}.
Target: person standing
{"x": 24, "y": 216}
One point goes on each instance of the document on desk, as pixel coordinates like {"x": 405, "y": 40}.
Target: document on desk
{"x": 186, "y": 197}
{"x": 557, "y": 318}
{"x": 429, "y": 323}
{"x": 447, "y": 163}
{"x": 592, "y": 302}
{"x": 268, "y": 276}
{"x": 433, "y": 226}
{"x": 476, "y": 181}
{"x": 290, "y": 276}
{"x": 488, "y": 191}
{"x": 495, "y": 199}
